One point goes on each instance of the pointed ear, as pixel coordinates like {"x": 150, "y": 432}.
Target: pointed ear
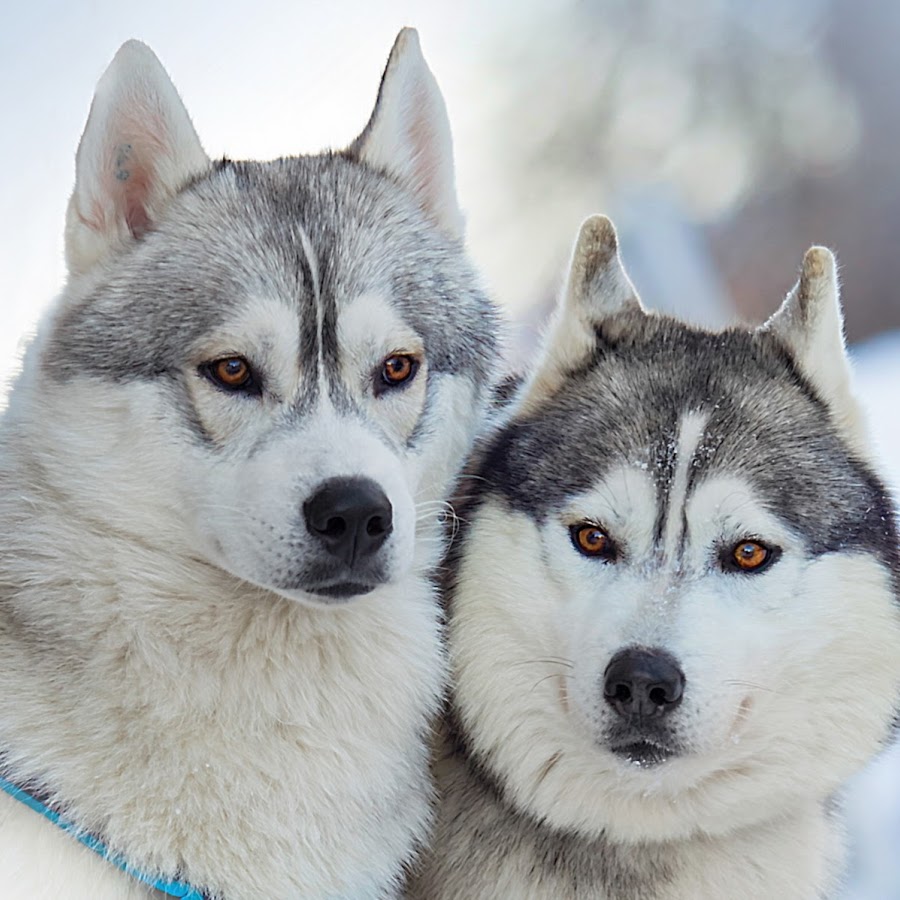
{"x": 408, "y": 135}
{"x": 597, "y": 288}
{"x": 811, "y": 325}
{"x": 138, "y": 150}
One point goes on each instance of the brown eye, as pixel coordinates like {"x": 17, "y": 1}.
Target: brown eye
{"x": 399, "y": 368}
{"x": 591, "y": 540}
{"x": 749, "y": 556}
{"x": 233, "y": 373}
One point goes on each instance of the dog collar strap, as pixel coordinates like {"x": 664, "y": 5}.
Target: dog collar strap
{"x": 169, "y": 888}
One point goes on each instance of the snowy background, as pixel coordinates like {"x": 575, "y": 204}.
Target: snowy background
{"x": 873, "y": 803}
{"x": 723, "y": 137}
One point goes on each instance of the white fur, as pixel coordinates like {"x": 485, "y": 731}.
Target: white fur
{"x": 775, "y": 722}
{"x": 409, "y": 134}
{"x": 249, "y": 705}
{"x": 811, "y": 323}
{"x": 363, "y": 328}
{"x": 690, "y": 435}
{"x": 597, "y": 286}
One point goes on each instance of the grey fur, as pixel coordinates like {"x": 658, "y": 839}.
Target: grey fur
{"x": 237, "y": 232}
{"x": 483, "y": 839}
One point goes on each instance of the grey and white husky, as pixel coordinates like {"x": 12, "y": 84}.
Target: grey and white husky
{"x": 673, "y": 617}
{"x": 221, "y": 475}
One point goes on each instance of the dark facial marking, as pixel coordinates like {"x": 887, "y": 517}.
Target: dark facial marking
{"x": 661, "y": 369}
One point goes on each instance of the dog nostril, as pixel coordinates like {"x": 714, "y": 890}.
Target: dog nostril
{"x": 376, "y": 526}
{"x": 658, "y": 696}
{"x": 622, "y": 693}
{"x": 334, "y": 527}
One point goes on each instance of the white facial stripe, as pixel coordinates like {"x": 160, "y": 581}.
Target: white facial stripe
{"x": 690, "y": 433}
{"x": 320, "y": 312}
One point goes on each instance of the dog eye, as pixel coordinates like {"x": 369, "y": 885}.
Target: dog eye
{"x": 750, "y": 556}
{"x": 232, "y": 373}
{"x": 398, "y": 369}
{"x": 591, "y": 540}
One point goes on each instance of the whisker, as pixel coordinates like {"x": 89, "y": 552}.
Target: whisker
{"x": 541, "y": 680}
{"x": 552, "y": 660}
{"x": 731, "y": 682}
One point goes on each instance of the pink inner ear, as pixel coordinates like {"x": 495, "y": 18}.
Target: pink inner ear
{"x": 135, "y": 191}
{"x": 133, "y": 171}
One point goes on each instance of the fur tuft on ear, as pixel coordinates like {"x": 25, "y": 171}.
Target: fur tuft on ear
{"x": 810, "y": 324}
{"x": 811, "y": 311}
{"x": 138, "y": 150}
{"x": 597, "y": 287}
{"x": 598, "y": 284}
{"x": 408, "y": 135}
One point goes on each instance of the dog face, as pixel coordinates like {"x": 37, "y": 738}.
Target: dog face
{"x": 675, "y": 608}
{"x": 278, "y": 366}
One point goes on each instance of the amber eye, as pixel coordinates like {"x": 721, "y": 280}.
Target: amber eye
{"x": 592, "y": 540}
{"x": 750, "y": 556}
{"x": 399, "y": 368}
{"x": 232, "y": 373}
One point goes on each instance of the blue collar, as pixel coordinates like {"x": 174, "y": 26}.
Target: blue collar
{"x": 169, "y": 888}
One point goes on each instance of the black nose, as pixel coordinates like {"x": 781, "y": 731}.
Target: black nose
{"x": 351, "y": 517}
{"x": 643, "y": 683}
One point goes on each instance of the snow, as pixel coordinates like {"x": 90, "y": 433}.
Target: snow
{"x": 873, "y": 801}
{"x": 877, "y": 367}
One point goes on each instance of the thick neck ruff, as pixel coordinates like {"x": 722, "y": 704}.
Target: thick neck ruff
{"x": 171, "y": 888}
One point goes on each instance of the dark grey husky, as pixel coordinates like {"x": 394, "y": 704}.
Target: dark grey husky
{"x": 673, "y": 616}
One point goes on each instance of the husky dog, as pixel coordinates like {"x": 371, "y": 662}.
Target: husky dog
{"x": 673, "y": 621}
{"x": 221, "y": 475}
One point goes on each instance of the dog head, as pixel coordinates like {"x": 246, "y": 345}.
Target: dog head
{"x": 675, "y": 601}
{"x": 276, "y": 367}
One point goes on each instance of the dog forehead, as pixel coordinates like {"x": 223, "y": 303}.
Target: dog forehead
{"x": 758, "y": 422}
{"x": 319, "y": 226}
{"x": 313, "y": 233}
{"x": 364, "y": 235}
{"x": 625, "y": 405}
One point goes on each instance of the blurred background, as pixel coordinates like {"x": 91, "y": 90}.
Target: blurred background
{"x": 723, "y": 137}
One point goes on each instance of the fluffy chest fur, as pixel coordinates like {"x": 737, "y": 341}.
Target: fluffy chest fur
{"x": 248, "y": 744}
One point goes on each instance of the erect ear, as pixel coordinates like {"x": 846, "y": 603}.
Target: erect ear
{"x": 597, "y": 288}
{"x": 408, "y": 135}
{"x": 811, "y": 325}
{"x": 138, "y": 150}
